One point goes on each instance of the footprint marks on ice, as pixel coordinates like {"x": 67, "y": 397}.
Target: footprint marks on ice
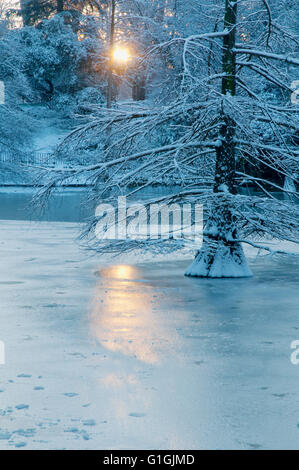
{"x": 199, "y": 363}
{"x": 29, "y": 376}
{"x": 4, "y": 435}
{"x": 25, "y": 432}
{"x": 56, "y": 306}
{"x": 77, "y": 354}
{"x": 85, "y": 436}
{"x": 11, "y": 283}
{"x": 79, "y": 432}
{"x": 22, "y": 406}
{"x": 137, "y": 415}
{"x": 72, "y": 430}
{"x": 253, "y": 446}
{"x": 10, "y": 436}
{"x": 279, "y": 395}
{"x": 6, "y": 412}
{"x": 20, "y": 444}
{"x": 89, "y": 422}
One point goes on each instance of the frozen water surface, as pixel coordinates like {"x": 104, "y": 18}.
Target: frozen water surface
{"x": 112, "y": 354}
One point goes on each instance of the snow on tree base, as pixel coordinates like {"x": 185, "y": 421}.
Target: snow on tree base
{"x": 221, "y": 261}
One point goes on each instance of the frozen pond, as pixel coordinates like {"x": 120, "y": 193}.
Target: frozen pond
{"x": 66, "y": 206}
{"x": 109, "y": 354}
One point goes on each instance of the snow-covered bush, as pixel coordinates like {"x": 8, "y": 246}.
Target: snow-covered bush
{"x": 57, "y": 58}
{"x": 15, "y": 130}
{"x": 87, "y": 98}
{"x": 90, "y": 95}
{"x": 80, "y": 103}
{"x": 64, "y": 102}
{"x": 53, "y": 56}
{"x": 15, "y": 125}
{"x": 12, "y": 65}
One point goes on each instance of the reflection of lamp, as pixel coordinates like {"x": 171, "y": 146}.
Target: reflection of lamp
{"x": 81, "y": 37}
{"x": 120, "y": 55}
{"x": 121, "y": 271}
{"x": 125, "y": 317}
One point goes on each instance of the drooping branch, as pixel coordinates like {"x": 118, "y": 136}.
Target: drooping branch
{"x": 268, "y": 55}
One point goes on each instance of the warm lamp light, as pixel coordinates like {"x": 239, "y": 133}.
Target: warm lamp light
{"x": 81, "y": 37}
{"x": 120, "y": 54}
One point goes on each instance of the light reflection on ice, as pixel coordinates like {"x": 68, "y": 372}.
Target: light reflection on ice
{"x": 123, "y": 317}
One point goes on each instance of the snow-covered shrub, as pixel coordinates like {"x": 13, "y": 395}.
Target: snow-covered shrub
{"x": 15, "y": 125}
{"x": 12, "y": 65}
{"x": 64, "y": 102}
{"x": 78, "y": 103}
{"x": 53, "y": 55}
{"x": 56, "y": 59}
{"x": 86, "y": 98}
{"x": 15, "y": 130}
{"x": 90, "y": 95}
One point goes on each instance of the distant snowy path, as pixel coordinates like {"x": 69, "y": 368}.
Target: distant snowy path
{"x": 49, "y": 133}
{"x": 48, "y": 138}
{"x": 135, "y": 357}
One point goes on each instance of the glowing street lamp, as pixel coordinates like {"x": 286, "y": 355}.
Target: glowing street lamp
{"x": 119, "y": 58}
{"x": 81, "y": 37}
{"x": 120, "y": 55}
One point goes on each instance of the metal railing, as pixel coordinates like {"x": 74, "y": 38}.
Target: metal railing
{"x": 40, "y": 159}
{"x": 34, "y": 158}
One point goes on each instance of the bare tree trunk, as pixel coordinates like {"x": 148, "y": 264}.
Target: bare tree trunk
{"x": 29, "y": 11}
{"x": 139, "y": 88}
{"x": 111, "y": 44}
{"x": 221, "y": 255}
{"x": 60, "y": 6}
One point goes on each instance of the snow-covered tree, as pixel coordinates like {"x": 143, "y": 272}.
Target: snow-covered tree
{"x": 34, "y": 11}
{"x": 16, "y": 89}
{"x": 230, "y": 129}
{"x": 55, "y": 55}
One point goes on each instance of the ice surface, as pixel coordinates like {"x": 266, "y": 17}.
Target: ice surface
{"x": 139, "y": 356}
{"x": 67, "y": 205}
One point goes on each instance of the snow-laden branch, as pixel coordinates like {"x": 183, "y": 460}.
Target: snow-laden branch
{"x": 267, "y": 182}
{"x": 189, "y": 39}
{"x": 271, "y": 251}
{"x": 264, "y": 73}
{"x": 270, "y": 148}
{"x": 267, "y": 55}
{"x": 154, "y": 151}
